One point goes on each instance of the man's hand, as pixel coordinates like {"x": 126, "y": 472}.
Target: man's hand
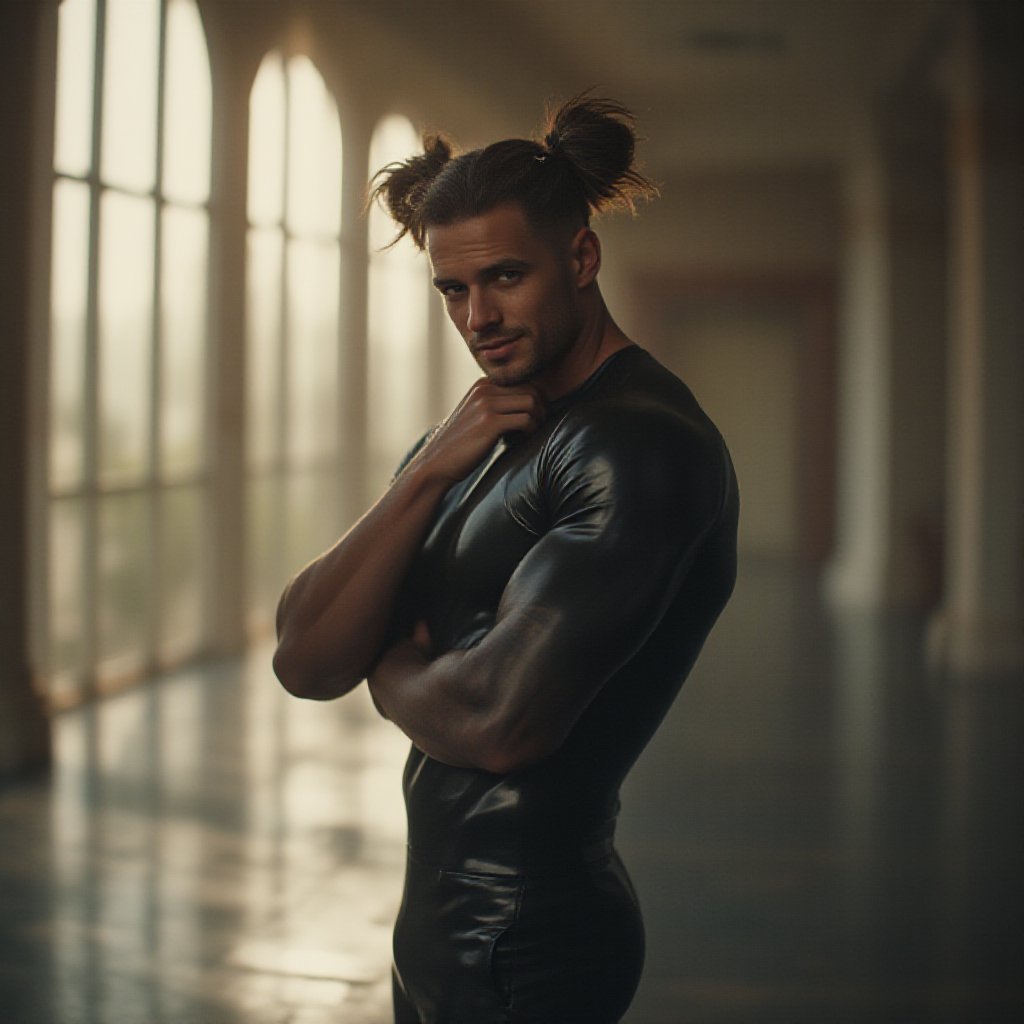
{"x": 485, "y": 414}
{"x": 421, "y": 638}
{"x": 333, "y": 617}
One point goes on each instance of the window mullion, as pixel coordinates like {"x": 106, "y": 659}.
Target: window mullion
{"x": 282, "y": 457}
{"x": 91, "y": 397}
{"x": 154, "y": 504}
{"x": 284, "y": 383}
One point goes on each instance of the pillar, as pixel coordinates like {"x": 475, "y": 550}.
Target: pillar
{"x": 857, "y": 575}
{"x": 232, "y": 68}
{"x": 28, "y": 41}
{"x": 980, "y": 627}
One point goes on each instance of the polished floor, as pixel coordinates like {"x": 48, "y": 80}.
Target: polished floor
{"x": 820, "y": 833}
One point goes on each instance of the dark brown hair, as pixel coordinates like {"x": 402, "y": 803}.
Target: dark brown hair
{"x": 585, "y": 164}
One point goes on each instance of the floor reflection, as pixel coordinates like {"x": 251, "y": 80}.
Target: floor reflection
{"x": 216, "y": 851}
{"x": 819, "y": 832}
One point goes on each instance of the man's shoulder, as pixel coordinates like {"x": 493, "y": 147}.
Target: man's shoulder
{"x": 640, "y": 441}
{"x": 638, "y": 405}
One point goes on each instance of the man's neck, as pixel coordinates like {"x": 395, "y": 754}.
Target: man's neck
{"x": 600, "y": 338}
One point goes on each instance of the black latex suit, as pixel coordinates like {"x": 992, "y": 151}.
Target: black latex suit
{"x": 618, "y": 518}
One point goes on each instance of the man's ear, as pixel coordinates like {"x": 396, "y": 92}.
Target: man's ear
{"x": 586, "y": 256}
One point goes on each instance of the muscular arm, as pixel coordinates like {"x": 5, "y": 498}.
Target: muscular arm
{"x": 579, "y": 605}
{"x": 333, "y": 616}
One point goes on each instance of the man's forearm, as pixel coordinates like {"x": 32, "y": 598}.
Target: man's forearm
{"x": 430, "y": 702}
{"x": 485, "y": 707}
{"x": 334, "y": 615}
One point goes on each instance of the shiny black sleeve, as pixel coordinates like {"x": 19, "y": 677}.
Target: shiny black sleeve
{"x": 626, "y": 498}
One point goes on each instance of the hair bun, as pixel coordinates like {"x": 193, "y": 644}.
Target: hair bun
{"x": 597, "y": 136}
{"x": 401, "y": 186}
{"x": 584, "y": 165}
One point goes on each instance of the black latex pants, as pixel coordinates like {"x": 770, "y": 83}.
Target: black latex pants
{"x": 556, "y": 947}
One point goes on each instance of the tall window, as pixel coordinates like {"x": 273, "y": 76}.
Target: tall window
{"x": 418, "y": 366}
{"x": 398, "y": 375}
{"x": 293, "y": 296}
{"x": 128, "y": 329}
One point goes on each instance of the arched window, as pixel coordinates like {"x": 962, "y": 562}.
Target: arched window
{"x": 292, "y": 322}
{"x": 128, "y": 340}
{"x": 417, "y": 364}
{"x": 398, "y": 374}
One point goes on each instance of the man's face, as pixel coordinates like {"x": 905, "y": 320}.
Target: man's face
{"x": 510, "y": 291}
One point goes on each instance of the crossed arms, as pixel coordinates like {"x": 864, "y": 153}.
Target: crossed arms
{"x": 580, "y": 603}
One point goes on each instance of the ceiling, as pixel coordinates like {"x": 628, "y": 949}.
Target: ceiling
{"x": 714, "y": 82}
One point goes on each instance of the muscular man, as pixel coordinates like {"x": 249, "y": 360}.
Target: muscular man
{"x": 530, "y": 593}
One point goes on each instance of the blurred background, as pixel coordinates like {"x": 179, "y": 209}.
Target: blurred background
{"x": 211, "y": 365}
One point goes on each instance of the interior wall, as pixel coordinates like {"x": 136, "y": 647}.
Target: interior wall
{"x": 742, "y": 364}
{"x": 728, "y": 279}
{"x": 918, "y": 297}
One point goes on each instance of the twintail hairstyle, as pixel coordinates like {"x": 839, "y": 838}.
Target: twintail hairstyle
{"x": 584, "y": 164}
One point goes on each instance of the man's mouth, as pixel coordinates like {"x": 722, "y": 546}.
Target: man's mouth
{"x": 496, "y": 348}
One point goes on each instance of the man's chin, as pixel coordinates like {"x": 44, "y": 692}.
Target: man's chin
{"x": 510, "y": 376}
{"x": 510, "y": 381}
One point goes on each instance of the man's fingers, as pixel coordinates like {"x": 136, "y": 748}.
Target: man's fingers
{"x": 486, "y": 398}
{"x": 484, "y": 415}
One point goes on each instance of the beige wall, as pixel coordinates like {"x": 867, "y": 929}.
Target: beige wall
{"x": 723, "y": 252}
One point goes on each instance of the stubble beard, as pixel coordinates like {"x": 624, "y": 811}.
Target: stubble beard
{"x": 541, "y": 357}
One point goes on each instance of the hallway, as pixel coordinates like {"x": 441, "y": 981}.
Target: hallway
{"x": 819, "y": 833}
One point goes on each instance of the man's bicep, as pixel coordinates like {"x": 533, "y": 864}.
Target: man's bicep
{"x": 628, "y": 515}
{"x": 586, "y": 603}
{"x": 631, "y": 500}
{"x": 572, "y": 614}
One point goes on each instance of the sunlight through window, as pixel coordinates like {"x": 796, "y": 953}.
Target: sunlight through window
{"x": 128, "y": 340}
{"x": 293, "y": 281}
{"x": 186, "y": 153}
{"x": 130, "y": 80}
{"x": 76, "y": 61}
{"x": 397, "y": 384}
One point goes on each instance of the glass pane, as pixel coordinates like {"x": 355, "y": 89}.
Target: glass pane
{"x": 181, "y": 562}
{"x": 314, "y": 152}
{"x": 312, "y": 515}
{"x": 123, "y": 575}
{"x": 129, "y": 93}
{"x": 397, "y": 372}
{"x": 66, "y": 598}
{"x": 68, "y": 306}
{"x": 313, "y": 269}
{"x": 263, "y": 362}
{"x": 460, "y": 369}
{"x": 266, "y": 566}
{"x": 76, "y": 36}
{"x": 266, "y": 143}
{"x": 394, "y": 138}
{"x": 186, "y": 106}
{"x": 125, "y": 334}
{"x": 183, "y": 348}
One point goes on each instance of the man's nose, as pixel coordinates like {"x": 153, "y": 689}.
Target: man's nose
{"x": 482, "y": 312}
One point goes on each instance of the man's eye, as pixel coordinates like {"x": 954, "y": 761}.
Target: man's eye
{"x": 510, "y": 275}
{"x": 451, "y": 291}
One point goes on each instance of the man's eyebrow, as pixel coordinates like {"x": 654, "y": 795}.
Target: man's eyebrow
{"x": 486, "y": 273}
{"x": 511, "y": 263}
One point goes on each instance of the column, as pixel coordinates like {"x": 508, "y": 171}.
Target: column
{"x": 28, "y": 41}
{"x": 232, "y": 68}
{"x": 857, "y": 575}
{"x": 981, "y": 624}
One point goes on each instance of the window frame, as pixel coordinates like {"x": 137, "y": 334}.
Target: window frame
{"x": 90, "y": 674}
